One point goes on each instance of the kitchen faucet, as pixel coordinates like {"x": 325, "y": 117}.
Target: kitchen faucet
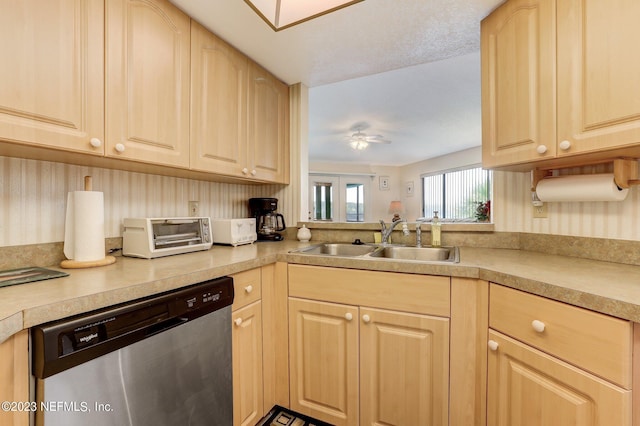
{"x": 419, "y": 223}
{"x": 386, "y": 231}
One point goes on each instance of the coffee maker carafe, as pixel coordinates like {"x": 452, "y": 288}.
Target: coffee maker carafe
{"x": 268, "y": 223}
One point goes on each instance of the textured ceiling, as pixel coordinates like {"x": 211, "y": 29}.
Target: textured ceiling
{"x": 408, "y": 68}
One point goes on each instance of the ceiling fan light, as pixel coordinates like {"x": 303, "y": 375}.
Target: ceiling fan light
{"x": 359, "y": 145}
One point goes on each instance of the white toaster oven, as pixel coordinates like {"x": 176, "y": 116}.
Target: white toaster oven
{"x": 234, "y": 231}
{"x": 156, "y": 237}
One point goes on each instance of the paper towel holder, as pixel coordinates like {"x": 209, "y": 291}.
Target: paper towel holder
{"x": 625, "y": 173}
{"x": 76, "y": 264}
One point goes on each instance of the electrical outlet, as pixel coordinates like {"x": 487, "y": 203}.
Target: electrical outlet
{"x": 540, "y": 212}
{"x": 194, "y": 208}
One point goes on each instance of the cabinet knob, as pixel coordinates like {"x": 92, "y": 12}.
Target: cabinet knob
{"x": 366, "y": 318}
{"x": 348, "y": 316}
{"x": 238, "y": 321}
{"x": 95, "y": 142}
{"x": 493, "y": 345}
{"x": 541, "y": 149}
{"x": 565, "y": 145}
{"x": 119, "y": 147}
{"x": 253, "y": 172}
{"x": 538, "y": 326}
{"x": 248, "y": 289}
{"x": 245, "y": 171}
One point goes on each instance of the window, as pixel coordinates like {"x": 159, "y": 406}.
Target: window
{"x": 322, "y": 201}
{"x": 456, "y": 195}
{"x": 355, "y": 202}
{"x": 339, "y": 198}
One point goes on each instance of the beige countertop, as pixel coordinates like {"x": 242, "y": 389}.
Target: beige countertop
{"x": 605, "y": 287}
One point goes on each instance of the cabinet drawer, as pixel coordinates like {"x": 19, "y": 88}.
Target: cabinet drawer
{"x": 247, "y": 286}
{"x": 595, "y": 342}
{"x": 422, "y": 294}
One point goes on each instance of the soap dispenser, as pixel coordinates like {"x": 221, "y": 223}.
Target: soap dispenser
{"x": 436, "y": 227}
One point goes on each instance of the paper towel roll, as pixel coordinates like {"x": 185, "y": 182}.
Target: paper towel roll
{"x": 596, "y": 187}
{"x": 84, "y": 226}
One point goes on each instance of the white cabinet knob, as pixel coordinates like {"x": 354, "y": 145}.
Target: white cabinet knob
{"x": 245, "y": 171}
{"x": 366, "y": 318}
{"x": 348, "y": 316}
{"x": 253, "y": 172}
{"x": 493, "y": 345}
{"x": 248, "y": 289}
{"x": 119, "y": 147}
{"x": 541, "y": 149}
{"x": 565, "y": 145}
{"x": 537, "y": 326}
{"x": 238, "y": 321}
{"x": 95, "y": 142}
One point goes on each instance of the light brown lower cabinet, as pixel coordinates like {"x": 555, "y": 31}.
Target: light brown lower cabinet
{"x": 528, "y": 387}
{"x": 353, "y": 365}
{"x": 247, "y": 365}
{"x": 248, "y": 390}
{"x": 14, "y": 377}
{"x": 550, "y": 363}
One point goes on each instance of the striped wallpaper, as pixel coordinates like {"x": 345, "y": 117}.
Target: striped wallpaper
{"x": 513, "y": 211}
{"x": 33, "y": 196}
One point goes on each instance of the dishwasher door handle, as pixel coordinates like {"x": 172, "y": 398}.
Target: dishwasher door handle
{"x": 165, "y": 325}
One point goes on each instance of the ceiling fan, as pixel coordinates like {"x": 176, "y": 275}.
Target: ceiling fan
{"x": 359, "y": 140}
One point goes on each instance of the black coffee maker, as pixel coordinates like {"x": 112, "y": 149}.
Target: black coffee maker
{"x": 268, "y": 223}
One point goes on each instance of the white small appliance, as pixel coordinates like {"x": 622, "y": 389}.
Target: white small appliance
{"x": 234, "y": 231}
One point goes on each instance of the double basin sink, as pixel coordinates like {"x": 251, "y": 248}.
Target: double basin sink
{"x": 379, "y": 251}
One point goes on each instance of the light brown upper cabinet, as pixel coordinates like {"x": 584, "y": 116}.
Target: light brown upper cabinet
{"x": 218, "y": 99}
{"x": 557, "y": 82}
{"x": 268, "y": 126}
{"x": 52, "y": 74}
{"x": 147, "y": 82}
{"x": 239, "y": 113}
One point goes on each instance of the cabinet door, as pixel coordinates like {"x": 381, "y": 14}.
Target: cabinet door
{"x": 218, "y": 104}
{"x": 268, "y": 126}
{"x": 247, "y": 365}
{"x": 14, "y": 371}
{"x": 147, "y": 85}
{"x": 527, "y": 387}
{"x": 598, "y": 106}
{"x": 52, "y": 74}
{"x": 323, "y": 345}
{"x": 404, "y": 369}
{"x": 518, "y": 83}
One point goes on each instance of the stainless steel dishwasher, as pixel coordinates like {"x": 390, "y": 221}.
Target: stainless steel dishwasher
{"x": 163, "y": 360}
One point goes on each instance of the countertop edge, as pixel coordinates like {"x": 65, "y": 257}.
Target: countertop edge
{"x": 501, "y": 266}
{"x": 10, "y": 325}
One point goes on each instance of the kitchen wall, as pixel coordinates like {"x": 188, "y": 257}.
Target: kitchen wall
{"x": 380, "y": 198}
{"x": 33, "y": 198}
{"x": 512, "y": 208}
{"x": 513, "y": 211}
{"x": 412, "y": 173}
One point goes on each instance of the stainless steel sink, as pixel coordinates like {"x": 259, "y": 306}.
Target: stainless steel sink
{"x": 424, "y": 254}
{"x": 338, "y": 249}
{"x": 376, "y": 251}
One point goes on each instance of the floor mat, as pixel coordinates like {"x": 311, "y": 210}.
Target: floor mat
{"x": 280, "y": 416}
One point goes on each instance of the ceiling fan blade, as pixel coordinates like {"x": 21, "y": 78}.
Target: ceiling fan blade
{"x": 377, "y": 139}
